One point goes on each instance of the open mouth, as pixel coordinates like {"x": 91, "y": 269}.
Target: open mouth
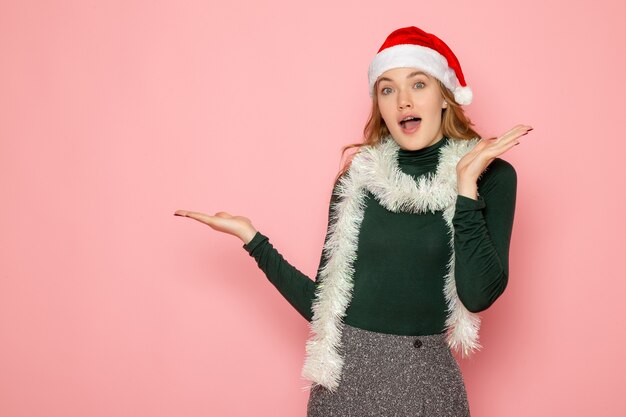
{"x": 410, "y": 124}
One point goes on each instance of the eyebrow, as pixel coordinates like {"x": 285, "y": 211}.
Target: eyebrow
{"x": 411, "y": 75}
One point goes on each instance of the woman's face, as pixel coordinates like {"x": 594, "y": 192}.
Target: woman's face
{"x": 409, "y": 92}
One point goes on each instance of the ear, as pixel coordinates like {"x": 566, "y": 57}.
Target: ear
{"x": 444, "y": 105}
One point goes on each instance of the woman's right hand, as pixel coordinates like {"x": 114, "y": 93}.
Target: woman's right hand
{"x": 234, "y": 225}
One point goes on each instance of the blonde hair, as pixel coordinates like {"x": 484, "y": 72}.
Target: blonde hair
{"x": 454, "y": 124}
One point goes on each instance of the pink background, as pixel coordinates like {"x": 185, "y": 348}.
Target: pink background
{"x": 114, "y": 114}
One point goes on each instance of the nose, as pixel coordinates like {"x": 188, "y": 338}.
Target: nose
{"x": 404, "y": 100}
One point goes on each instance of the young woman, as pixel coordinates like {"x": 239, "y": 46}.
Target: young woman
{"x": 417, "y": 244}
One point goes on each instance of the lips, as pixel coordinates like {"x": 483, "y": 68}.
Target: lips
{"x": 410, "y": 123}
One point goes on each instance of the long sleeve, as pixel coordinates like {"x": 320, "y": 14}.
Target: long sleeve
{"x": 482, "y": 235}
{"x": 296, "y": 287}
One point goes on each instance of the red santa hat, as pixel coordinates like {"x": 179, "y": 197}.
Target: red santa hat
{"x": 411, "y": 47}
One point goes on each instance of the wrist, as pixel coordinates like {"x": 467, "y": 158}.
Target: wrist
{"x": 468, "y": 189}
{"x": 247, "y": 235}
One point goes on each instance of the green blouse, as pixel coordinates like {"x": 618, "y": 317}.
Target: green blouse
{"x": 402, "y": 257}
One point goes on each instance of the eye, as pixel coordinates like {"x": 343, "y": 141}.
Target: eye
{"x": 419, "y": 82}
{"x": 385, "y": 90}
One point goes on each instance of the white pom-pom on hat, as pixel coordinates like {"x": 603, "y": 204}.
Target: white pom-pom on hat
{"x": 463, "y": 95}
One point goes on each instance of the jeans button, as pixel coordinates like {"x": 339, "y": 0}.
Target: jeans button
{"x": 417, "y": 343}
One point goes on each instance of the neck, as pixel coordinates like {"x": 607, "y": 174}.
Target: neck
{"x": 426, "y": 157}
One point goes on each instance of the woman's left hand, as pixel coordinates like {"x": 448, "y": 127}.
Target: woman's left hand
{"x": 475, "y": 161}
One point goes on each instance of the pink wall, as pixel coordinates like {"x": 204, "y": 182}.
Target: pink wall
{"x": 114, "y": 114}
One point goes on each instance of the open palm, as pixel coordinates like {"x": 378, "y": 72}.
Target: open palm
{"x": 486, "y": 150}
{"x": 222, "y": 221}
